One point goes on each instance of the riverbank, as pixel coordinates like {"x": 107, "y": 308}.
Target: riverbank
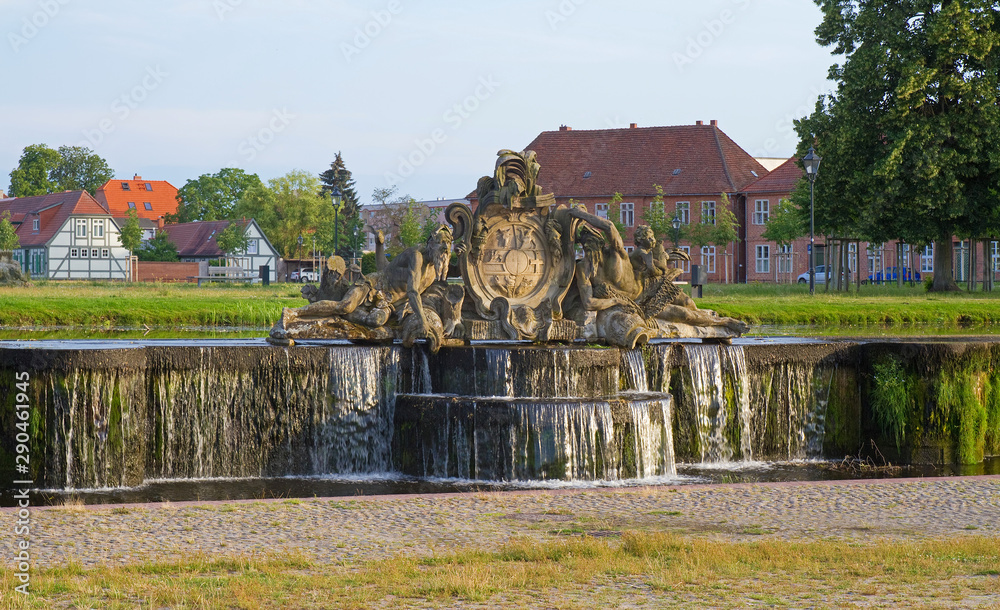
{"x": 894, "y": 543}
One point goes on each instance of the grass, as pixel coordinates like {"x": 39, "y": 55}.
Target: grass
{"x": 694, "y": 572}
{"x": 115, "y": 304}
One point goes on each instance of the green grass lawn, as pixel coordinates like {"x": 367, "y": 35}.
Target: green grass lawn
{"x": 114, "y": 304}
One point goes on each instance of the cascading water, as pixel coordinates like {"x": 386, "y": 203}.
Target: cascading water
{"x": 498, "y": 370}
{"x": 793, "y": 399}
{"x": 635, "y": 368}
{"x": 708, "y": 395}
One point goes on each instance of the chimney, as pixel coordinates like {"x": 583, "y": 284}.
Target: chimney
{"x": 714, "y": 123}
{"x": 699, "y": 122}
{"x": 633, "y": 125}
{"x": 565, "y": 128}
{"x": 160, "y": 223}
{"x": 137, "y": 177}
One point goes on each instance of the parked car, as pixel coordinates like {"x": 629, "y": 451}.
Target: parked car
{"x": 889, "y": 276}
{"x": 303, "y": 276}
{"x": 820, "y": 275}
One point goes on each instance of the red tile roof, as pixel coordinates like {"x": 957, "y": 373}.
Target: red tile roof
{"x": 52, "y": 211}
{"x": 781, "y": 180}
{"x": 162, "y": 197}
{"x": 630, "y": 161}
{"x": 196, "y": 239}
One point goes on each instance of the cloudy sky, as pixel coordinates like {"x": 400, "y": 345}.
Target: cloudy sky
{"x": 420, "y": 94}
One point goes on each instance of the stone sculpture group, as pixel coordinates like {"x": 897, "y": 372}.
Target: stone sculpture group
{"x": 521, "y": 280}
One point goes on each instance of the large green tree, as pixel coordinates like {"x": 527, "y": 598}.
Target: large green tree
{"x": 288, "y": 206}
{"x": 233, "y": 239}
{"x": 80, "y": 169}
{"x": 213, "y": 196}
{"x": 910, "y": 138}
{"x": 32, "y": 176}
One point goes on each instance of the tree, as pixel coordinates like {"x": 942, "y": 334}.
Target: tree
{"x": 401, "y": 218}
{"x": 784, "y": 225}
{"x": 32, "y": 176}
{"x": 131, "y": 233}
{"x": 213, "y": 196}
{"x": 8, "y": 236}
{"x": 338, "y": 175}
{"x": 160, "y": 249}
{"x": 726, "y": 229}
{"x": 80, "y": 169}
{"x": 288, "y": 206}
{"x": 656, "y": 217}
{"x": 233, "y": 238}
{"x": 411, "y": 224}
{"x": 909, "y": 138}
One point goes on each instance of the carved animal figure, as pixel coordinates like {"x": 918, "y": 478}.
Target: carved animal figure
{"x": 442, "y": 304}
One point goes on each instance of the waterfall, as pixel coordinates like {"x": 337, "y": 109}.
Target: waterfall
{"x": 720, "y": 393}
{"x": 498, "y": 372}
{"x": 793, "y": 399}
{"x": 635, "y": 368}
{"x": 653, "y": 438}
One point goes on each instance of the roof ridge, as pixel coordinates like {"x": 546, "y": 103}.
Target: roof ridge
{"x": 722, "y": 157}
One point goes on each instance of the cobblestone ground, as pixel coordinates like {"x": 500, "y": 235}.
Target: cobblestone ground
{"x": 345, "y": 530}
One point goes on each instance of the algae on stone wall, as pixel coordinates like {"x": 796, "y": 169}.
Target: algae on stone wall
{"x": 891, "y": 400}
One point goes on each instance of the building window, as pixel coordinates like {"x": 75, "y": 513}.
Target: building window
{"x": 148, "y": 234}
{"x": 785, "y": 259}
{"x": 627, "y": 214}
{"x": 35, "y": 224}
{"x": 74, "y": 252}
{"x": 684, "y": 211}
{"x": 81, "y": 228}
{"x": 148, "y": 205}
{"x": 105, "y": 253}
{"x": 629, "y": 249}
{"x": 98, "y": 228}
{"x": 93, "y": 253}
{"x": 761, "y": 211}
{"x": 995, "y": 249}
{"x": 708, "y": 258}
{"x": 126, "y": 187}
{"x": 149, "y": 186}
{"x": 852, "y": 258}
{"x": 708, "y": 212}
{"x": 601, "y": 210}
{"x": 685, "y": 266}
{"x": 131, "y": 204}
{"x": 927, "y": 259}
{"x": 763, "y": 261}
{"x": 252, "y": 246}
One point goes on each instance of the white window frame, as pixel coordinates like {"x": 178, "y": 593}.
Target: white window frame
{"x": 785, "y": 258}
{"x": 98, "y": 228}
{"x": 74, "y": 253}
{"x": 761, "y": 211}
{"x": 927, "y": 259}
{"x": 629, "y": 249}
{"x": 683, "y": 209}
{"x": 81, "y": 228}
{"x": 94, "y": 253}
{"x": 626, "y": 214}
{"x": 763, "y": 258}
{"x": 995, "y": 254}
{"x": 708, "y": 258}
{"x": 601, "y": 210}
{"x": 708, "y": 212}
{"x": 36, "y": 224}
{"x": 105, "y": 253}
{"x": 852, "y": 257}
{"x": 252, "y": 246}
{"x": 685, "y": 266}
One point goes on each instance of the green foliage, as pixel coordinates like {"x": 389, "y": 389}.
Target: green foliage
{"x": 32, "y": 176}
{"x": 909, "y": 137}
{"x": 289, "y": 206}
{"x": 233, "y": 239}
{"x": 80, "y": 169}
{"x": 967, "y": 414}
{"x": 784, "y": 224}
{"x": 411, "y": 225}
{"x": 131, "y": 232}
{"x": 368, "y": 263}
{"x": 615, "y": 213}
{"x": 890, "y": 399}
{"x": 338, "y": 175}
{"x": 160, "y": 248}
{"x": 214, "y": 196}
{"x": 726, "y": 224}
{"x": 8, "y": 237}
{"x": 655, "y": 217}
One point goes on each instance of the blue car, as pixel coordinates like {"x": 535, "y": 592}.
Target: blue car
{"x": 888, "y": 276}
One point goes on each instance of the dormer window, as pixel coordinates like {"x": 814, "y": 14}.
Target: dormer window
{"x": 35, "y": 224}
{"x": 126, "y": 187}
{"x": 149, "y": 186}
{"x": 131, "y": 204}
{"x": 149, "y": 206}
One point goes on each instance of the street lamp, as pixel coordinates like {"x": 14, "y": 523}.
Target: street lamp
{"x": 301, "y": 241}
{"x": 811, "y": 163}
{"x": 676, "y": 224}
{"x": 336, "y": 198}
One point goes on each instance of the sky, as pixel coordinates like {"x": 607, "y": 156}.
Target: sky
{"x": 414, "y": 94}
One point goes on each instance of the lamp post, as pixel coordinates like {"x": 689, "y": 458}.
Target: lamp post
{"x": 336, "y": 198}
{"x": 811, "y": 164}
{"x": 301, "y": 241}
{"x": 676, "y": 224}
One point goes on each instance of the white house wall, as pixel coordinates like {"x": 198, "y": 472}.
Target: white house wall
{"x": 266, "y": 254}
{"x": 76, "y": 257}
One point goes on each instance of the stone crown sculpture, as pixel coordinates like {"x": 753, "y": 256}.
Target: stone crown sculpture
{"x": 520, "y": 279}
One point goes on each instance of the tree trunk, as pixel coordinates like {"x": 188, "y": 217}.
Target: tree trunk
{"x": 944, "y": 277}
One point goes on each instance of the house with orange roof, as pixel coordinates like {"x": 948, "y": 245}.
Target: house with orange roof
{"x": 67, "y": 235}
{"x": 694, "y": 164}
{"x": 152, "y": 200}
{"x": 197, "y": 241}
